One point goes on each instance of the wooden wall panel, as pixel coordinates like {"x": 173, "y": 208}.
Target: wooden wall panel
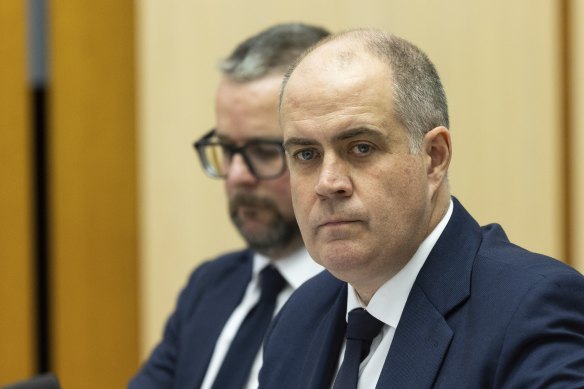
{"x": 576, "y": 67}
{"x": 500, "y": 64}
{"x": 17, "y": 337}
{"x": 93, "y": 192}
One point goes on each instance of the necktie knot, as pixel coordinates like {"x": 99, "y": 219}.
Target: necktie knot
{"x": 272, "y": 283}
{"x": 362, "y": 326}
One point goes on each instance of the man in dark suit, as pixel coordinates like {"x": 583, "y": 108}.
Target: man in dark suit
{"x": 213, "y": 338}
{"x": 417, "y": 294}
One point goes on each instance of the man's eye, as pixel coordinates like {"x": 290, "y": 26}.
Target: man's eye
{"x": 226, "y": 150}
{"x": 304, "y": 155}
{"x": 362, "y": 149}
{"x": 265, "y": 152}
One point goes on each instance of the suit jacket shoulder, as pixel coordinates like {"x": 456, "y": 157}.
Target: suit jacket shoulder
{"x": 507, "y": 316}
{"x": 211, "y": 294}
{"x": 309, "y": 328}
{"x": 482, "y": 313}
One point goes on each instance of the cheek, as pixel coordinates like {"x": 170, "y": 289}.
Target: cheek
{"x": 228, "y": 188}
{"x": 300, "y": 200}
{"x": 281, "y": 194}
{"x": 408, "y": 179}
{"x": 400, "y": 191}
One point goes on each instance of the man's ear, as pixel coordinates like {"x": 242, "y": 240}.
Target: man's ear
{"x": 437, "y": 147}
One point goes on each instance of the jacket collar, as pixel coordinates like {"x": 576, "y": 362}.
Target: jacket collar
{"x": 423, "y": 334}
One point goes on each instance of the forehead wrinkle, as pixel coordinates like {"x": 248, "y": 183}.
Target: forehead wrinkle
{"x": 332, "y": 56}
{"x": 350, "y": 102}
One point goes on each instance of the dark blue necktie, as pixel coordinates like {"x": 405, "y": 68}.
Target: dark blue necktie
{"x": 234, "y": 371}
{"x": 361, "y": 329}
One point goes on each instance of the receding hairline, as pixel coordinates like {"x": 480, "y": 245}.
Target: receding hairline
{"x": 358, "y": 39}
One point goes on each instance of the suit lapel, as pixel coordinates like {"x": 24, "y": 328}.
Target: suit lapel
{"x": 423, "y": 335}
{"x": 216, "y": 307}
{"x": 419, "y": 345}
{"x": 322, "y": 356}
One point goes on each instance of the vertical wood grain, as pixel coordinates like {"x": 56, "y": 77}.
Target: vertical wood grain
{"x": 17, "y": 338}
{"x": 576, "y": 68}
{"x": 566, "y": 98}
{"x": 93, "y": 192}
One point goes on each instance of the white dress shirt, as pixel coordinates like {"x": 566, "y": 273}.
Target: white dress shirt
{"x": 387, "y": 305}
{"x": 296, "y": 269}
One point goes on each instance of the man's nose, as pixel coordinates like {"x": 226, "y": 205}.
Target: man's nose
{"x": 238, "y": 173}
{"x": 334, "y": 180}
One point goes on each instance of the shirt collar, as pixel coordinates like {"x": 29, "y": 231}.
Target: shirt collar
{"x": 296, "y": 268}
{"x": 387, "y": 304}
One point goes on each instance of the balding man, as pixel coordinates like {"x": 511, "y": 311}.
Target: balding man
{"x": 417, "y": 294}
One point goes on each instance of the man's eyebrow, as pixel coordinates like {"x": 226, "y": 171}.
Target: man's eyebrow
{"x": 343, "y": 136}
{"x": 356, "y": 132}
{"x": 221, "y": 137}
{"x": 296, "y": 141}
{"x": 228, "y": 139}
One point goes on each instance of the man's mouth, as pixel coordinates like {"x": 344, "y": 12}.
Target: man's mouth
{"x": 249, "y": 206}
{"x": 249, "y": 211}
{"x": 333, "y": 223}
{"x": 336, "y": 223}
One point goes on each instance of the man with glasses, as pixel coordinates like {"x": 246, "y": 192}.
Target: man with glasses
{"x": 213, "y": 339}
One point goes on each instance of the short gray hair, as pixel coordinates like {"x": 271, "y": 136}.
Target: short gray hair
{"x": 420, "y": 101}
{"x": 272, "y": 50}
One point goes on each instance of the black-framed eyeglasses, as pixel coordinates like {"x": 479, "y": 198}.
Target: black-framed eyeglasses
{"x": 265, "y": 158}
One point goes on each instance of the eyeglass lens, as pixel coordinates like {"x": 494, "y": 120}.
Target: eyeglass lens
{"x": 265, "y": 160}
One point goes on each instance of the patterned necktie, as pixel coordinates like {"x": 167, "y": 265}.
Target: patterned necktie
{"x": 234, "y": 371}
{"x": 361, "y": 329}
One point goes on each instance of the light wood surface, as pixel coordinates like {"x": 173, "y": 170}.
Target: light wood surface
{"x": 577, "y": 72}
{"x": 17, "y": 313}
{"x": 93, "y": 193}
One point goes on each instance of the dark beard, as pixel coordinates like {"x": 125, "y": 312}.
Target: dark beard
{"x": 278, "y": 234}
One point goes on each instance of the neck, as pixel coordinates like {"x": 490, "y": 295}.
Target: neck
{"x": 365, "y": 296}
{"x": 441, "y": 203}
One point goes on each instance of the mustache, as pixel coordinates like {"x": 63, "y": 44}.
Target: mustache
{"x": 249, "y": 200}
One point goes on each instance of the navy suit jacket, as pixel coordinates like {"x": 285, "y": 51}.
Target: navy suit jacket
{"x": 482, "y": 313}
{"x": 213, "y": 292}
